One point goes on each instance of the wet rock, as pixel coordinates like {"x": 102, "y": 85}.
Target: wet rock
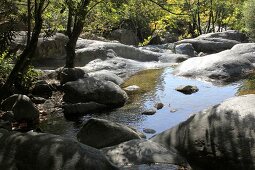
{"x": 90, "y": 89}
{"x": 185, "y": 48}
{"x": 137, "y": 152}
{"x": 79, "y": 109}
{"x": 132, "y": 88}
{"x": 22, "y": 107}
{"x": 42, "y": 89}
{"x": 40, "y": 151}
{"x": 226, "y": 66}
{"x": 106, "y": 75}
{"x": 159, "y": 106}
{"x": 149, "y": 112}
{"x": 220, "y": 136}
{"x": 124, "y": 36}
{"x": 149, "y": 131}
{"x": 100, "y": 133}
{"x": 187, "y": 89}
{"x": 70, "y": 74}
{"x": 173, "y": 110}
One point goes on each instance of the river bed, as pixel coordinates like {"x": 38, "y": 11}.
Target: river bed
{"x": 177, "y": 106}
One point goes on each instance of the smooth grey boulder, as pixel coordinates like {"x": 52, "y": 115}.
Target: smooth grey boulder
{"x": 226, "y": 66}
{"x": 185, "y": 48}
{"x": 88, "y": 50}
{"x": 220, "y": 137}
{"x": 21, "y": 105}
{"x": 106, "y": 75}
{"x": 33, "y": 151}
{"x": 229, "y": 34}
{"x": 94, "y": 90}
{"x": 124, "y": 36}
{"x": 120, "y": 66}
{"x": 210, "y": 45}
{"x": 70, "y": 74}
{"x": 140, "y": 151}
{"x": 52, "y": 47}
{"x": 215, "y": 42}
{"x": 79, "y": 109}
{"x": 100, "y": 133}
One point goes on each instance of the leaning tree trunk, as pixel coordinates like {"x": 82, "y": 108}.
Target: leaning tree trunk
{"x": 26, "y": 56}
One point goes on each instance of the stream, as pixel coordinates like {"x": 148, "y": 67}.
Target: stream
{"x": 178, "y": 107}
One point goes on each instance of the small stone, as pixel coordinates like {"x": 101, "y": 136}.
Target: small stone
{"x": 132, "y": 88}
{"x": 149, "y": 131}
{"x": 187, "y": 89}
{"x": 149, "y": 112}
{"x": 173, "y": 110}
{"x": 159, "y": 106}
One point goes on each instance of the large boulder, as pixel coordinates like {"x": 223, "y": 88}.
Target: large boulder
{"x": 215, "y": 42}
{"x": 32, "y": 151}
{"x": 124, "y": 36}
{"x": 100, "y": 133}
{"x": 88, "y": 50}
{"x": 185, "y": 48}
{"x": 226, "y": 66}
{"x": 229, "y": 34}
{"x": 22, "y": 107}
{"x": 106, "y": 75}
{"x": 220, "y": 137}
{"x": 91, "y": 89}
{"x": 140, "y": 151}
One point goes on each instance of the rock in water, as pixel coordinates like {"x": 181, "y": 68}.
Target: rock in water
{"x": 187, "y": 89}
{"x": 100, "y": 133}
{"x": 91, "y": 89}
{"x": 33, "y": 151}
{"x": 220, "y": 137}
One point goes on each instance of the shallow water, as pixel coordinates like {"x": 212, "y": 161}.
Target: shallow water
{"x": 164, "y": 92}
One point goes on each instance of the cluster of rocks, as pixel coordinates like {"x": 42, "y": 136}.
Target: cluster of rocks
{"x": 220, "y": 137}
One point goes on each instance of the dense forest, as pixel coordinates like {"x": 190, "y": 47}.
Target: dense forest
{"x": 127, "y": 84}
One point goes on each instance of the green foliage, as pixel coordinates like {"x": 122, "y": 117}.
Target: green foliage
{"x": 249, "y": 17}
{"x": 6, "y": 65}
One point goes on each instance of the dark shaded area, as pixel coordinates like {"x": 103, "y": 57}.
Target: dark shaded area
{"x": 47, "y": 152}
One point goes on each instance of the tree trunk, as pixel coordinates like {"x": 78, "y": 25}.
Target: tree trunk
{"x": 26, "y": 56}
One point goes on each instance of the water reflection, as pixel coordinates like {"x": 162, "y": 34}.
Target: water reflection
{"x": 164, "y": 92}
